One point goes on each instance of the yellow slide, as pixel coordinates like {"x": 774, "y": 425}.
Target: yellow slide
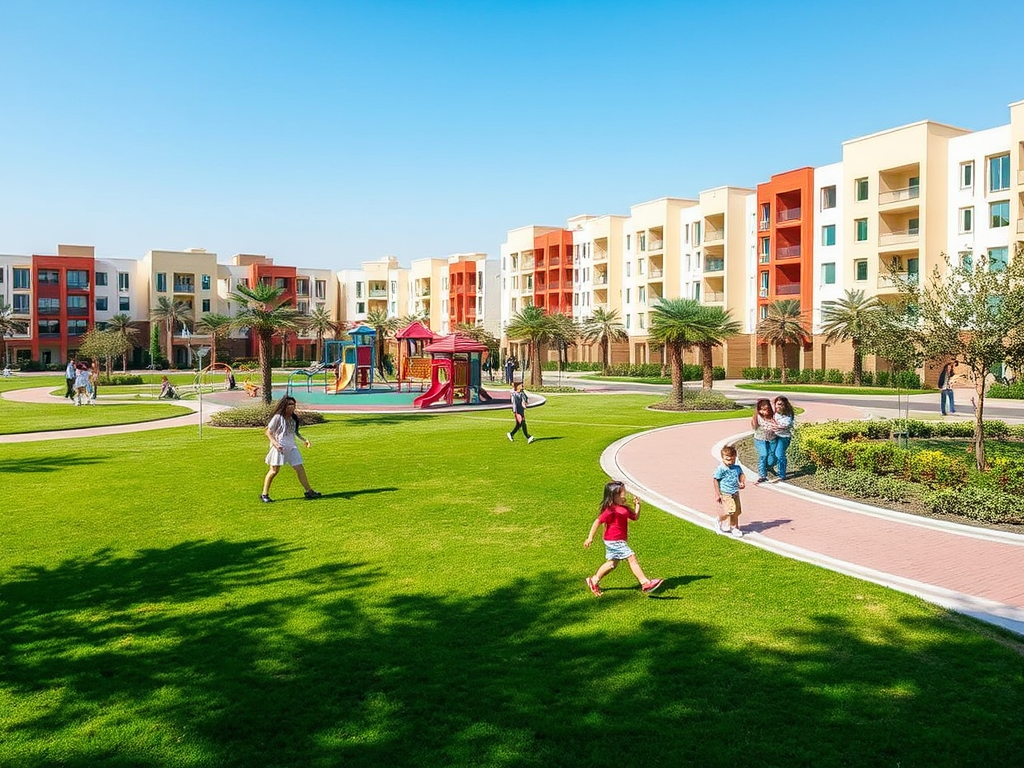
{"x": 344, "y": 377}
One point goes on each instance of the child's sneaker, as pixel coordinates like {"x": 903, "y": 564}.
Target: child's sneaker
{"x": 737, "y": 533}
{"x": 311, "y": 494}
{"x": 265, "y": 498}
{"x": 530, "y": 439}
{"x": 593, "y": 587}
{"x": 723, "y": 527}
{"x": 651, "y": 585}
{"x": 509, "y": 436}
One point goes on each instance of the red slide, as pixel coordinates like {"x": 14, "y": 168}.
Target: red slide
{"x": 438, "y": 391}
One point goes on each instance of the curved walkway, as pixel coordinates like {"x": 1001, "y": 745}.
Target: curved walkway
{"x": 970, "y": 570}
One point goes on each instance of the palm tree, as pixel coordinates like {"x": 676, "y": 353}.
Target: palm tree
{"x": 321, "y": 322}
{"x": 530, "y": 324}
{"x": 218, "y": 326}
{"x": 678, "y": 324}
{"x": 262, "y": 311}
{"x": 603, "y": 326}
{"x": 9, "y": 325}
{"x": 784, "y": 325}
{"x": 718, "y": 326}
{"x": 384, "y": 326}
{"x": 124, "y": 327}
{"x": 565, "y": 332}
{"x": 170, "y": 313}
{"x": 852, "y": 318}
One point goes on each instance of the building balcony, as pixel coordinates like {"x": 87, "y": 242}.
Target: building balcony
{"x": 714, "y": 297}
{"x": 889, "y": 281}
{"x": 788, "y": 252}
{"x": 78, "y": 311}
{"x": 656, "y": 274}
{"x": 600, "y": 254}
{"x": 184, "y": 288}
{"x": 713, "y": 235}
{"x": 714, "y": 265}
{"x": 899, "y": 195}
{"x": 1020, "y": 177}
{"x": 600, "y": 279}
{"x": 793, "y": 289}
{"x": 764, "y": 225}
{"x": 762, "y": 293}
{"x": 764, "y": 258}
{"x": 1020, "y": 226}
{"x": 656, "y": 245}
{"x": 898, "y": 237}
{"x": 788, "y": 215}
{"x": 378, "y": 293}
{"x": 76, "y": 286}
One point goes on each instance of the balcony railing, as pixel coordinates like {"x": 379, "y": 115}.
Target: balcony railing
{"x": 77, "y": 286}
{"x": 899, "y": 195}
{"x": 1020, "y": 226}
{"x": 601, "y": 280}
{"x": 788, "y": 214}
{"x": 762, "y": 293}
{"x": 713, "y": 235}
{"x": 714, "y": 265}
{"x": 656, "y": 245}
{"x": 764, "y": 225}
{"x": 78, "y": 311}
{"x": 763, "y": 258}
{"x": 184, "y": 287}
{"x": 890, "y": 280}
{"x": 600, "y": 254}
{"x": 899, "y": 237}
{"x": 655, "y": 274}
{"x": 787, "y": 252}
{"x": 554, "y": 261}
{"x": 1020, "y": 176}
{"x": 378, "y": 293}
{"x": 788, "y": 290}
{"x": 714, "y": 297}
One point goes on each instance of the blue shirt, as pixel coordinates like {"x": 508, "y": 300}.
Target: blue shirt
{"x": 728, "y": 478}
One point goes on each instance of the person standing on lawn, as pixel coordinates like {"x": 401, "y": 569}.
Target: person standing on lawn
{"x": 946, "y": 377}
{"x": 282, "y": 431}
{"x": 784, "y": 416}
{"x": 763, "y": 422}
{"x": 69, "y": 378}
{"x": 728, "y": 479}
{"x": 519, "y": 401}
{"x": 615, "y": 516}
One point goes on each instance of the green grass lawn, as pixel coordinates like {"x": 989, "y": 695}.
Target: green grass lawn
{"x": 430, "y": 610}
{"x": 831, "y": 389}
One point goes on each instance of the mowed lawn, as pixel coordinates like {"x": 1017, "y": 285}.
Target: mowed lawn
{"x": 430, "y": 610}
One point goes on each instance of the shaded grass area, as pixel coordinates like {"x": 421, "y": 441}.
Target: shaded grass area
{"x": 19, "y": 418}
{"x": 430, "y": 611}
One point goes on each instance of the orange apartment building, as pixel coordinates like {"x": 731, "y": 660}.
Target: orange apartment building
{"x": 62, "y": 311}
{"x": 785, "y": 252}
{"x": 462, "y": 293}
{"x": 553, "y": 271}
{"x": 262, "y": 270}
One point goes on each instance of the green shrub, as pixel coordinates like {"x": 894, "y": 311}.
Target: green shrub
{"x": 751, "y": 373}
{"x": 1005, "y": 474}
{"x": 834, "y": 376}
{"x": 123, "y": 380}
{"x": 861, "y": 484}
{"x": 258, "y": 415}
{"x": 1006, "y": 392}
{"x": 882, "y": 378}
{"x": 984, "y": 504}
{"x": 936, "y": 469}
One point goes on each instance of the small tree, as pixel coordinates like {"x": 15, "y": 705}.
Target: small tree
{"x": 218, "y": 326}
{"x": 171, "y": 313}
{"x": 677, "y": 324}
{"x": 105, "y": 346}
{"x": 154, "y": 344}
{"x": 971, "y": 309}
{"x": 851, "y": 318}
{"x": 9, "y": 325}
{"x": 603, "y": 326}
{"x": 265, "y": 313}
{"x": 784, "y": 325}
{"x": 321, "y": 323}
{"x": 122, "y": 325}
{"x": 531, "y": 325}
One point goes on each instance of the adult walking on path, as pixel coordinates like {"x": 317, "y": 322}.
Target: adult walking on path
{"x": 967, "y": 569}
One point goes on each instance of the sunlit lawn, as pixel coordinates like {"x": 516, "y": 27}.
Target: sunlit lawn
{"x": 430, "y": 611}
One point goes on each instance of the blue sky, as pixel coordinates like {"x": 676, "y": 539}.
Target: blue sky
{"x": 328, "y": 133}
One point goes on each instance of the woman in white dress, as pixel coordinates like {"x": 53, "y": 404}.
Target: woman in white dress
{"x": 282, "y": 431}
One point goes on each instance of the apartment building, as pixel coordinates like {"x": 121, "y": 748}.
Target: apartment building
{"x": 473, "y": 290}
{"x": 426, "y": 297}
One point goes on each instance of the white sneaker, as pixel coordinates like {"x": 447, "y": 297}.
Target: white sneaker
{"x": 737, "y": 533}
{"x": 530, "y": 439}
{"x": 724, "y": 528}
{"x": 509, "y": 436}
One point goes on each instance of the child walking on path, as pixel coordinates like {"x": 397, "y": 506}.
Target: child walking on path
{"x": 519, "y": 401}
{"x": 784, "y": 415}
{"x": 763, "y": 423}
{"x": 728, "y": 479}
{"x": 282, "y": 431}
{"x": 615, "y": 517}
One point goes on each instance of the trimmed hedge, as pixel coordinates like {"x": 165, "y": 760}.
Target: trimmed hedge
{"x": 986, "y": 505}
{"x": 1006, "y": 391}
{"x": 903, "y": 379}
{"x": 258, "y": 415}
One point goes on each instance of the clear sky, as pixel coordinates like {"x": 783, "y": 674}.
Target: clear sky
{"x": 325, "y": 133}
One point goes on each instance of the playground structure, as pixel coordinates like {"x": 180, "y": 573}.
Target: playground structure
{"x": 414, "y": 365}
{"x": 354, "y": 361}
{"x": 454, "y": 372}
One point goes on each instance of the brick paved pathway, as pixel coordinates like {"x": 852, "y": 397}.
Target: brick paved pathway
{"x": 970, "y": 570}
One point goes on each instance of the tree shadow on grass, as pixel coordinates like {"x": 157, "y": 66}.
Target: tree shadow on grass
{"x": 49, "y": 463}
{"x": 226, "y": 654}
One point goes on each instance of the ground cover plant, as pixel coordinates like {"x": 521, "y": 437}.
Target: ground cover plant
{"x": 430, "y": 611}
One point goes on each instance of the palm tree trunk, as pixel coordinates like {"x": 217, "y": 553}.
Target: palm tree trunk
{"x": 782, "y": 363}
{"x": 676, "y": 364}
{"x": 605, "y": 344}
{"x": 170, "y": 345}
{"x": 536, "y": 374}
{"x": 266, "y": 373}
{"x": 707, "y": 367}
{"x": 858, "y": 363}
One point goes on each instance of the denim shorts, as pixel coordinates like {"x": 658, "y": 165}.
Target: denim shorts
{"x": 617, "y": 550}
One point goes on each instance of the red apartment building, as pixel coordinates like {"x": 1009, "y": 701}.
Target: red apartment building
{"x": 785, "y": 249}
{"x": 264, "y": 271}
{"x": 62, "y": 304}
{"x": 462, "y": 293}
{"x": 553, "y": 267}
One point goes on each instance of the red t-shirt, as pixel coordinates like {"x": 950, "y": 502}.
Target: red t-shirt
{"x": 616, "y": 521}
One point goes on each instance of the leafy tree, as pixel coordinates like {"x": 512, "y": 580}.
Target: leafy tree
{"x": 265, "y": 313}
{"x": 718, "y": 326}
{"x": 565, "y": 332}
{"x": 971, "y": 310}
{"x": 603, "y": 326}
{"x": 531, "y": 325}
{"x": 852, "y": 318}
{"x": 320, "y": 322}
{"x": 384, "y": 326}
{"x": 103, "y": 345}
{"x": 677, "y": 324}
{"x": 482, "y": 335}
{"x": 154, "y": 344}
{"x": 171, "y": 313}
{"x": 9, "y": 325}
{"x": 784, "y": 325}
{"x": 218, "y": 326}
{"x": 122, "y": 325}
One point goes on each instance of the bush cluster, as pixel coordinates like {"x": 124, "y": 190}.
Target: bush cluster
{"x": 987, "y": 505}
{"x": 258, "y": 415}
{"x": 862, "y": 484}
{"x": 122, "y": 380}
{"x": 1006, "y": 391}
{"x": 700, "y": 400}
{"x": 572, "y": 366}
{"x": 654, "y": 370}
{"x": 556, "y": 390}
{"x": 903, "y": 379}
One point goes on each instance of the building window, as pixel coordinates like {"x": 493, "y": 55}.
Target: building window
{"x": 862, "y": 230}
{"x": 49, "y": 327}
{"x": 627, "y": 295}
{"x": 966, "y": 175}
{"x": 627, "y": 318}
{"x": 49, "y": 277}
{"x": 206, "y": 305}
{"x": 828, "y": 273}
{"x": 860, "y": 189}
{"x": 999, "y": 214}
{"x": 999, "y": 173}
{"x": 161, "y": 282}
{"x": 303, "y": 307}
{"x": 861, "y": 269}
{"x": 639, "y": 266}
{"x": 627, "y": 268}
{"x": 642, "y": 294}
{"x": 21, "y": 304}
{"x": 205, "y": 282}
{"x": 641, "y": 240}
{"x": 124, "y": 304}
{"x": 101, "y": 303}
{"x": 696, "y": 233}
{"x": 77, "y": 327}
{"x": 765, "y": 216}
{"x": 627, "y": 248}
{"x": 966, "y": 220}
{"x": 101, "y": 278}
{"x": 913, "y": 226}
{"x": 828, "y": 234}
{"x": 321, "y": 289}
{"x": 997, "y": 259}
{"x": 360, "y": 307}
{"x": 78, "y": 305}
{"x": 78, "y": 279}
{"x": 359, "y": 290}
{"x": 48, "y": 306}
{"x": 122, "y": 281}
{"x": 22, "y": 278}
{"x": 828, "y": 197}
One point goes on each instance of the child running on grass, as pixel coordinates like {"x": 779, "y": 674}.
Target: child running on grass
{"x": 282, "y": 431}
{"x": 728, "y": 479}
{"x": 615, "y": 516}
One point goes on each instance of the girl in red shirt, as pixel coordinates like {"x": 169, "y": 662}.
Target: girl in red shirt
{"x": 615, "y": 517}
